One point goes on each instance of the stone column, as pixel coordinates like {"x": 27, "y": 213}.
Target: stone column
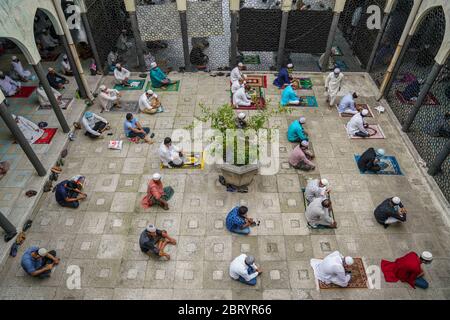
{"x": 8, "y": 227}
{"x": 285, "y": 9}
{"x": 234, "y": 15}
{"x": 182, "y": 7}
{"x": 130, "y": 6}
{"x": 51, "y": 97}
{"x": 76, "y": 75}
{"x": 387, "y": 14}
{"x": 338, "y": 8}
{"x": 435, "y": 167}
{"x": 90, "y": 37}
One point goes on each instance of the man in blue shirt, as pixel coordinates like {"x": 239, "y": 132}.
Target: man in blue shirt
{"x": 238, "y": 222}
{"x": 283, "y": 77}
{"x": 289, "y": 97}
{"x": 68, "y": 194}
{"x": 38, "y": 262}
{"x": 347, "y": 104}
{"x": 296, "y": 133}
{"x": 133, "y": 129}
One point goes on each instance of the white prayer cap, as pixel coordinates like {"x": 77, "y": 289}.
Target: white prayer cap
{"x": 1, "y": 73}
{"x": 150, "y": 92}
{"x": 396, "y": 200}
{"x": 118, "y": 65}
{"x": 427, "y": 256}
{"x": 290, "y": 65}
{"x": 240, "y": 64}
{"x": 13, "y": 58}
{"x": 153, "y": 65}
{"x": 44, "y": 30}
{"x": 65, "y": 56}
{"x": 42, "y": 252}
{"x": 365, "y": 112}
{"x": 51, "y": 69}
{"x": 305, "y": 143}
{"x": 249, "y": 260}
{"x": 102, "y": 87}
{"x": 324, "y": 182}
{"x": 244, "y": 76}
{"x": 302, "y": 120}
{"x": 241, "y": 115}
{"x": 349, "y": 260}
{"x": 337, "y": 70}
{"x": 151, "y": 228}
{"x": 156, "y": 176}
{"x": 380, "y": 152}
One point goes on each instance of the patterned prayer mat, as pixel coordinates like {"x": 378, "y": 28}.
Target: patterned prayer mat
{"x": 254, "y": 80}
{"x": 305, "y": 83}
{"x": 392, "y": 169}
{"x": 358, "y": 280}
{"x": 374, "y": 130}
{"x": 255, "y": 106}
{"x": 129, "y": 106}
{"x": 66, "y": 103}
{"x": 251, "y": 59}
{"x": 24, "y": 92}
{"x": 336, "y": 51}
{"x": 136, "y": 84}
{"x": 341, "y": 65}
{"x": 194, "y": 160}
{"x": 430, "y": 99}
{"x": 171, "y": 87}
{"x": 359, "y": 106}
{"x": 307, "y": 101}
{"x": 47, "y": 137}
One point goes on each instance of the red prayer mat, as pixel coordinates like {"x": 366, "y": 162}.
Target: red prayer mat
{"x": 430, "y": 99}
{"x": 256, "y": 80}
{"x": 253, "y": 106}
{"x": 24, "y": 92}
{"x": 47, "y": 137}
{"x": 358, "y": 280}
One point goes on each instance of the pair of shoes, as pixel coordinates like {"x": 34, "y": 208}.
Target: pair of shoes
{"x": 27, "y": 225}
{"x": 76, "y": 125}
{"x": 31, "y": 193}
{"x": 152, "y": 136}
{"x": 56, "y": 169}
{"x": 53, "y": 177}
{"x": 64, "y": 153}
{"x": 47, "y": 186}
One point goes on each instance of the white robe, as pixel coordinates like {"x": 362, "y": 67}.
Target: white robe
{"x": 238, "y": 268}
{"x": 169, "y": 154}
{"x": 121, "y": 75}
{"x": 9, "y": 86}
{"x": 43, "y": 98}
{"x": 333, "y": 84}
{"x": 316, "y": 214}
{"x": 356, "y": 124}
{"x": 235, "y": 86}
{"x": 65, "y": 65}
{"x": 331, "y": 269}
{"x": 108, "y": 98}
{"x": 235, "y": 74}
{"x": 145, "y": 102}
{"x": 30, "y": 130}
{"x": 47, "y": 41}
{"x": 240, "y": 98}
{"x": 112, "y": 58}
{"x": 19, "y": 70}
{"x": 313, "y": 191}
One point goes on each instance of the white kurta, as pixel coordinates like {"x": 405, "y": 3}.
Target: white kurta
{"x": 240, "y": 98}
{"x": 121, "y": 75}
{"x": 169, "y": 154}
{"x": 47, "y": 41}
{"x": 108, "y": 98}
{"x": 42, "y": 96}
{"x": 30, "y": 130}
{"x": 356, "y": 124}
{"x": 9, "y": 86}
{"x": 122, "y": 42}
{"x": 313, "y": 191}
{"x": 18, "y": 69}
{"x": 238, "y": 268}
{"x": 65, "y": 65}
{"x": 145, "y": 102}
{"x": 333, "y": 84}
{"x": 235, "y": 86}
{"x": 235, "y": 74}
{"x": 316, "y": 214}
{"x": 331, "y": 269}
{"x": 112, "y": 58}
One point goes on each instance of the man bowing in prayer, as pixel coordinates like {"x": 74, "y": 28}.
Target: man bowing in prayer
{"x": 370, "y": 160}
{"x": 8, "y": 85}
{"x": 333, "y": 269}
{"x": 347, "y": 104}
{"x": 318, "y": 214}
{"x": 333, "y": 84}
{"x": 284, "y": 77}
{"x": 121, "y": 75}
{"x": 18, "y": 71}
{"x": 317, "y": 188}
{"x": 296, "y": 133}
{"x": 289, "y": 97}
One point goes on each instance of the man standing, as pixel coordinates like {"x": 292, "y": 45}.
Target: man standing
{"x": 149, "y": 103}
{"x": 238, "y": 222}
{"x": 407, "y": 269}
{"x": 109, "y": 98}
{"x": 39, "y": 262}
{"x": 390, "y": 211}
{"x": 296, "y": 133}
{"x": 240, "y": 98}
{"x": 8, "y": 85}
{"x": 333, "y": 84}
{"x": 370, "y": 160}
{"x": 94, "y": 125}
{"x": 55, "y": 80}
{"x": 18, "y": 70}
{"x": 333, "y": 269}
{"x": 121, "y": 75}
{"x": 318, "y": 214}
{"x": 153, "y": 241}
{"x": 244, "y": 269}
{"x": 347, "y": 104}
{"x": 171, "y": 156}
{"x": 157, "y": 194}
{"x": 357, "y": 126}
{"x": 316, "y": 188}
{"x": 236, "y": 73}
{"x": 133, "y": 129}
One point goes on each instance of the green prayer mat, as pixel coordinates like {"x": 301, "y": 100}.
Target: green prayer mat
{"x": 131, "y": 81}
{"x": 308, "y": 101}
{"x": 171, "y": 87}
{"x": 306, "y": 83}
{"x": 251, "y": 59}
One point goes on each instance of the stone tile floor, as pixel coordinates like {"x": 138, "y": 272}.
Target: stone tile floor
{"x": 101, "y": 237}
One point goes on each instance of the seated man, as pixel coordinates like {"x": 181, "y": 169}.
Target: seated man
{"x": 289, "y": 97}
{"x": 197, "y": 57}
{"x": 333, "y": 269}
{"x": 153, "y": 241}
{"x": 94, "y": 125}
{"x": 158, "y": 78}
{"x": 68, "y": 192}
{"x": 148, "y": 59}
{"x": 299, "y": 160}
{"x": 236, "y": 73}
{"x": 157, "y": 194}
{"x": 241, "y": 123}
{"x": 113, "y": 59}
{"x": 18, "y": 71}
{"x": 347, "y": 104}
{"x": 357, "y": 126}
{"x": 171, "y": 156}
{"x": 244, "y": 269}
{"x": 55, "y": 80}
{"x": 238, "y": 222}
{"x": 133, "y": 129}
{"x": 47, "y": 41}
{"x": 407, "y": 269}
{"x": 109, "y": 98}
{"x": 39, "y": 262}
{"x": 8, "y": 85}
{"x": 284, "y": 77}
{"x": 370, "y": 160}
{"x": 121, "y": 75}
{"x": 235, "y": 86}
{"x": 390, "y": 211}
{"x": 316, "y": 188}
{"x": 296, "y": 133}
{"x": 65, "y": 66}
{"x": 318, "y": 214}
{"x": 240, "y": 98}
{"x": 43, "y": 99}
{"x": 149, "y": 103}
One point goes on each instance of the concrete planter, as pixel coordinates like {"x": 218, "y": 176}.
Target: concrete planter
{"x": 239, "y": 176}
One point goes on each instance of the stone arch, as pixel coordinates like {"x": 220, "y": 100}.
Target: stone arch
{"x": 23, "y": 48}
{"x": 53, "y": 18}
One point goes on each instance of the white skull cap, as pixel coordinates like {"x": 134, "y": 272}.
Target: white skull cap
{"x": 302, "y": 120}
{"x": 150, "y": 92}
{"x": 240, "y": 64}
{"x": 151, "y": 228}
{"x": 13, "y": 58}
{"x": 118, "y": 65}
{"x": 156, "y": 176}
{"x": 102, "y": 87}
{"x": 65, "y": 56}
{"x": 42, "y": 252}
{"x": 337, "y": 70}
{"x": 325, "y": 182}
{"x": 349, "y": 260}
{"x": 290, "y": 65}
{"x": 427, "y": 256}
{"x": 305, "y": 143}
{"x": 153, "y": 65}
{"x": 241, "y": 115}
{"x": 365, "y": 112}
{"x": 396, "y": 200}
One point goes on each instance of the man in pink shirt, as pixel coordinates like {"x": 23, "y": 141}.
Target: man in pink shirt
{"x": 299, "y": 159}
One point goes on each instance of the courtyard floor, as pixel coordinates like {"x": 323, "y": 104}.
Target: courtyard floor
{"x": 101, "y": 236}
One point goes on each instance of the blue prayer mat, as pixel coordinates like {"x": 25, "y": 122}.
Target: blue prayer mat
{"x": 392, "y": 168}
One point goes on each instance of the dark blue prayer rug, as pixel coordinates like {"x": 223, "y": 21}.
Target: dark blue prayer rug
{"x": 392, "y": 169}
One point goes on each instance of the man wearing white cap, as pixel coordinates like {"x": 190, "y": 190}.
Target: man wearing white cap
{"x": 56, "y": 80}
{"x": 296, "y": 133}
{"x": 109, "y": 98}
{"x": 240, "y": 98}
{"x": 333, "y": 84}
{"x": 357, "y": 126}
{"x": 318, "y": 214}
{"x": 241, "y": 123}
{"x": 113, "y": 58}
{"x": 65, "y": 66}
{"x": 18, "y": 71}
{"x": 236, "y": 85}
{"x": 157, "y": 193}
{"x": 244, "y": 269}
{"x": 333, "y": 269}
{"x": 236, "y": 73}
{"x": 47, "y": 41}
{"x": 153, "y": 241}
{"x": 298, "y": 158}
{"x": 407, "y": 269}
{"x": 121, "y": 75}
{"x": 316, "y": 188}
{"x": 390, "y": 211}
{"x": 158, "y": 78}
{"x": 347, "y": 104}
{"x": 39, "y": 262}
{"x": 149, "y": 102}
{"x": 284, "y": 78}
{"x": 8, "y": 85}
{"x": 370, "y": 160}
